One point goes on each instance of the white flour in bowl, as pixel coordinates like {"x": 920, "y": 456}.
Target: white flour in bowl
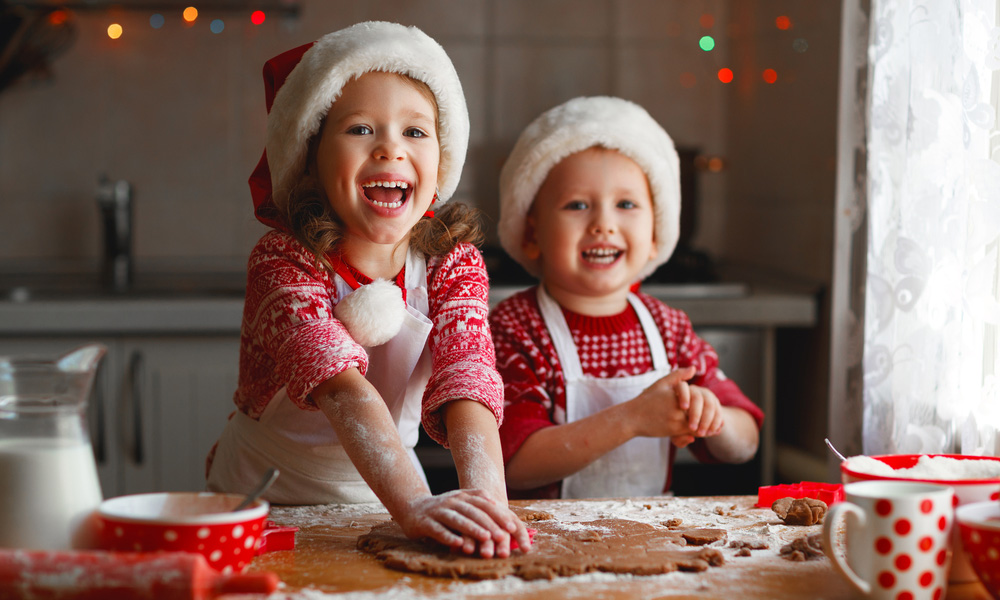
{"x": 930, "y": 467}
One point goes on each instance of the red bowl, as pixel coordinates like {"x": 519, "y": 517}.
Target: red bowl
{"x": 979, "y": 526}
{"x": 198, "y": 522}
{"x": 967, "y": 491}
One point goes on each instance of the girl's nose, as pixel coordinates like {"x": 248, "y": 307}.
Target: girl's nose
{"x": 602, "y": 224}
{"x": 388, "y": 148}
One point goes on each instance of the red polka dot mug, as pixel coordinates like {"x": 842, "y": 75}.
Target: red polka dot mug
{"x": 894, "y": 542}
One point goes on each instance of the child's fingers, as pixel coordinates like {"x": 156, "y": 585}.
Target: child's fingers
{"x": 679, "y": 375}
{"x": 497, "y": 518}
{"x": 683, "y": 393}
{"x": 711, "y": 412}
{"x": 717, "y": 423}
{"x": 677, "y": 380}
{"x": 696, "y": 409}
{"x": 486, "y": 549}
{"x": 481, "y": 513}
{"x": 521, "y": 535}
{"x": 682, "y": 440}
{"x": 501, "y": 549}
{"x": 442, "y": 534}
{"x": 512, "y": 527}
{"x": 464, "y": 524}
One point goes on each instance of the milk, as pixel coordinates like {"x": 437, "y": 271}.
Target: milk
{"x": 48, "y": 492}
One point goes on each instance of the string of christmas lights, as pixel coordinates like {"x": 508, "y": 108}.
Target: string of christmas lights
{"x": 257, "y": 13}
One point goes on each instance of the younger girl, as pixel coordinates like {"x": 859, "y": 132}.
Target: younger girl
{"x": 366, "y": 313}
{"x": 602, "y": 383}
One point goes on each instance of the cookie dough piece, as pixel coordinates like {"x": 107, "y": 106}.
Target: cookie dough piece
{"x": 702, "y": 537}
{"x": 753, "y": 544}
{"x": 804, "y": 548}
{"x": 800, "y": 511}
{"x": 530, "y": 516}
{"x": 607, "y": 545}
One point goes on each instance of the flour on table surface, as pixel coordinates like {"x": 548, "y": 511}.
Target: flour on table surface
{"x": 746, "y": 524}
{"x": 303, "y": 516}
{"x": 583, "y": 587}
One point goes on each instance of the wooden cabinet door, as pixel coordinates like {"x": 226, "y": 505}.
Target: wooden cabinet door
{"x": 176, "y": 396}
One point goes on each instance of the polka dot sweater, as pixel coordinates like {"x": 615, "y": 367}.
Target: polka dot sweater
{"x": 291, "y": 339}
{"x": 610, "y": 346}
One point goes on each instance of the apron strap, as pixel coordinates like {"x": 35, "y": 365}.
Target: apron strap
{"x": 416, "y": 281}
{"x": 658, "y": 350}
{"x": 566, "y": 349}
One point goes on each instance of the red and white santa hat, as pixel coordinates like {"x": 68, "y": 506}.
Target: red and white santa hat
{"x": 572, "y": 127}
{"x": 302, "y": 83}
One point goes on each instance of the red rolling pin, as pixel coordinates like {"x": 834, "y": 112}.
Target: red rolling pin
{"x": 96, "y": 575}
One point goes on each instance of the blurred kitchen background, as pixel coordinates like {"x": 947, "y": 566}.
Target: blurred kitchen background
{"x": 174, "y": 112}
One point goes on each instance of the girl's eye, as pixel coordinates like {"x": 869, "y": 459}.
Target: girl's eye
{"x": 360, "y": 130}
{"x": 575, "y": 205}
{"x": 415, "y": 132}
{"x": 627, "y": 204}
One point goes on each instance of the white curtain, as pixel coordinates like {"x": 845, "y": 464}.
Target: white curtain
{"x": 931, "y": 312}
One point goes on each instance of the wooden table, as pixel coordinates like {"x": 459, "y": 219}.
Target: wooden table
{"x": 325, "y": 562}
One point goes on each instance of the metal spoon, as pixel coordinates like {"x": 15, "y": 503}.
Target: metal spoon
{"x": 829, "y": 445}
{"x": 265, "y": 483}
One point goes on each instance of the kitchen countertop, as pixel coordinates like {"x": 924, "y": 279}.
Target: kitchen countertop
{"x": 325, "y": 563}
{"x": 189, "y": 312}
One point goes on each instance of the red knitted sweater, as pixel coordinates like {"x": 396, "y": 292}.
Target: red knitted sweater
{"x": 291, "y": 339}
{"x": 612, "y": 346}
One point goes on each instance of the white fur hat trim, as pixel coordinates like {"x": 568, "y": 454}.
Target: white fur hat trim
{"x": 572, "y": 127}
{"x": 373, "y": 314}
{"x": 335, "y": 59}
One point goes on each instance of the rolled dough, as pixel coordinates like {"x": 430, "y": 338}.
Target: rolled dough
{"x": 560, "y": 549}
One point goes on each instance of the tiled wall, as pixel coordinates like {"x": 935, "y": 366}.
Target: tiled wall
{"x": 179, "y": 113}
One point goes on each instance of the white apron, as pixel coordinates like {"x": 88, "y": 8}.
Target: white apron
{"x": 638, "y": 467}
{"x": 315, "y": 468}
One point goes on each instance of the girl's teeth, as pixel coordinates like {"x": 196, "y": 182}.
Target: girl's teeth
{"x": 387, "y": 184}
{"x": 602, "y": 255}
{"x": 400, "y": 185}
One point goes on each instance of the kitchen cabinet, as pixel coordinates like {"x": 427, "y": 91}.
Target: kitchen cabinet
{"x": 157, "y": 407}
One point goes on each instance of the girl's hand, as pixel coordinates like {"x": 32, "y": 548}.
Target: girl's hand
{"x": 466, "y": 521}
{"x": 705, "y": 416}
{"x": 682, "y": 440}
{"x": 661, "y": 410}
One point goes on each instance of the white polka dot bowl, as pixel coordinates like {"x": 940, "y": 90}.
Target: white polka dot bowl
{"x": 979, "y": 526}
{"x": 198, "y": 522}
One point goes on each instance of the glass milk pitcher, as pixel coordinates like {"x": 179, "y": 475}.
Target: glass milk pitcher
{"x": 48, "y": 477}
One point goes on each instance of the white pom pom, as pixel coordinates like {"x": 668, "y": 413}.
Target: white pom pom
{"x": 373, "y": 313}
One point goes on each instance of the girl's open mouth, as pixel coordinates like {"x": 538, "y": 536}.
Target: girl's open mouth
{"x": 602, "y": 256}
{"x": 387, "y": 194}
